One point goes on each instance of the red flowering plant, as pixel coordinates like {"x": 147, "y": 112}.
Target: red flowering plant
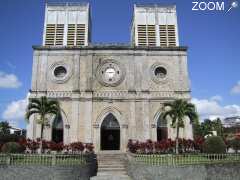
{"x": 89, "y": 147}
{"x": 198, "y": 143}
{"x": 77, "y": 146}
{"x": 32, "y": 145}
{"x": 149, "y": 145}
{"x": 56, "y": 146}
{"x": 132, "y": 146}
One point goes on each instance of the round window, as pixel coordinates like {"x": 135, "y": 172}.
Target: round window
{"x": 160, "y": 72}
{"x": 60, "y": 72}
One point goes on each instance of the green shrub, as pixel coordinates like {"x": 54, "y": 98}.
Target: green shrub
{"x": 235, "y": 144}
{"x": 12, "y": 147}
{"x": 10, "y": 138}
{"x": 214, "y": 145}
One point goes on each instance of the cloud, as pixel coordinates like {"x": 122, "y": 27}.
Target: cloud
{"x": 216, "y": 98}
{"x": 209, "y": 108}
{"x": 15, "y": 111}
{"x": 236, "y": 88}
{"x": 9, "y": 80}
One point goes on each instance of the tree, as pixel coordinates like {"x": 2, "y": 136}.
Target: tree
{"x": 42, "y": 107}
{"x": 178, "y": 110}
{"x": 217, "y": 126}
{"x": 4, "y": 128}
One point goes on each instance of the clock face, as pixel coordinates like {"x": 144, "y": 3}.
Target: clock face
{"x": 110, "y": 73}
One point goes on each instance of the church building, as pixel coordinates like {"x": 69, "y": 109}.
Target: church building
{"x": 109, "y": 93}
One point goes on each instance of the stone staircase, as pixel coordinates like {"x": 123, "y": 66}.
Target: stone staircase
{"x": 111, "y": 166}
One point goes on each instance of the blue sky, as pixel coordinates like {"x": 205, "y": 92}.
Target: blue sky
{"x": 212, "y": 38}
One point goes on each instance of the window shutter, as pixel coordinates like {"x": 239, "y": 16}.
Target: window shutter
{"x": 142, "y": 39}
{"x": 163, "y": 35}
{"x": 71, "y": 35}
{"x": 59, "y": 34}
{"x": 151, "y": 35}
{"x": 171, "y": 35}
{"x": 80, "y": 35}
{"x": 50, "y": 34}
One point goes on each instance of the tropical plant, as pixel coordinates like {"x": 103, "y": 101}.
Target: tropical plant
{"x": 42, "y": 107}
{"x": 12, "y": 147}
{"x": 214, "y": 145}
{"x": 178, "y": 110}
{"x": 235, "y": 144}
{"x": 4, "y": 128}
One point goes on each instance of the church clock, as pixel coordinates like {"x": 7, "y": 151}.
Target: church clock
{"x": 110, "y": 73}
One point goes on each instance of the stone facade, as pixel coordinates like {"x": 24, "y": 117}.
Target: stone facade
{"x": 136, "y": 102}
{"x": 129, "y": 81}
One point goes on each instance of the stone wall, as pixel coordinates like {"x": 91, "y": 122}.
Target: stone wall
{"x": 44, "y": 172}
{"x": 191, "y": 172}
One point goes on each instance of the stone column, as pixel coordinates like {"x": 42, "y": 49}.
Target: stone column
{"x": 132, "y": 121}
{"x": 85, "y": 125}
{"x": 146, "y": 120}
{"x": 75, "y": 118}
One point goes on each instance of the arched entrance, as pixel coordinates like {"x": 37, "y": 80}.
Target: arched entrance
{"x": 57, "y": 129}
{"x": 110, "y": 133}
{"x": 162, "y": 130}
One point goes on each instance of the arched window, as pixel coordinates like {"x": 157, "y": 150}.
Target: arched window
{"x": 57, "y": 129}
{"x": 162, "y": 130}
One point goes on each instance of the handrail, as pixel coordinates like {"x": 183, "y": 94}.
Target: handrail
{"x": 183, "y": 159}
{"x": 43, "y": 159}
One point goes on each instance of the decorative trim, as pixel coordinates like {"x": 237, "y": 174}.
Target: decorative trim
{"x": 153, "y": 76}
{"x": 116, "y": 65}
{"x": 59, "y": 94}
{"x": 62, "y": 79}
{"x": 96, "y": 126}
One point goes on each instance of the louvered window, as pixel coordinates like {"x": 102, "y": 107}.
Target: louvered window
{"x": 142, "y": 39}
{"x": 151, "y": 35}
{"x": 171, "y": 35}
{"x": 163, "y": 35}
{"x": 76, "y": 35}
{"x": 54, "y": 34}
{"x": 167, "y": 35}
{"x": 50, "y": 34}
{"x": 71, "y": 34}
{"x": 80, "y": 34}
{"x": 59, "y": 34}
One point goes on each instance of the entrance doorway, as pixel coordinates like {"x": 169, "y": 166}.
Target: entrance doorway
{"x": 57, "y": 129}
{"x": 162, "y": 130}
{"x": 110, "y": 133}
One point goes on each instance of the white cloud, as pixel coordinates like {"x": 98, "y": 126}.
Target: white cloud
{"x": 209, "y": 108}
{"x": 216, "y": 98}
{"x": 9, "y": 80}
{"x": 15, "y": 111}
{"x": 236, "y": 88}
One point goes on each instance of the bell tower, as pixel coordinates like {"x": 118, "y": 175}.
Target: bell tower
{"x": 155, "y": 25}
{"x": 66, "y": 24}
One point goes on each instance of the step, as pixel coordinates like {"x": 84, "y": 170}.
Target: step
{"x": 111, "y": 165}
{"x": 112, "y": 169}
{"x": 110, "y": 177}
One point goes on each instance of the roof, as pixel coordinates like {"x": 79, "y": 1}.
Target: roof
{"x": 115, "y": 46}
{"x": 67, "y": 4}
{"x": 156, "y": 5}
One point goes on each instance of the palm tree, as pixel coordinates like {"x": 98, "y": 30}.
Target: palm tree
{"x": 42, "y": 107}
{"x": 178, "y": 110}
